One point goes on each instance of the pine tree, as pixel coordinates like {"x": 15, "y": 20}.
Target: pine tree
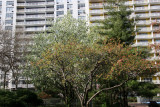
{"x": 118, "y": 25}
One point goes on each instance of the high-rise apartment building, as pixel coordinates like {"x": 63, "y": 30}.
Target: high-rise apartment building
{"x": 27, "y": 17}
{"x": 31, "y": 16}
{"x": 34, "y": 15}
{"x": 148, "y": 24}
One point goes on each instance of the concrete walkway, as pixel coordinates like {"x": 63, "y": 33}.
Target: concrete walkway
{"x": 137, "y": 105}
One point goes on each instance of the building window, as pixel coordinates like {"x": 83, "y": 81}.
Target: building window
{"x": 81, "y": 5}
{"x": 10, "y": 3}
{"x": 81, "y": 12}
{"x": 149, "y": 79}
{"x": 9, "y": 15}
{"x": 60, "y": 1}
{"x": 69, "y": 6}
{"x": 60, "y": 7}
{"x": 8, "y": 28}
{"x": 9, "y": 22}
{"x": 9, "y": 9}
{"x": 68, "y": 1}
{"x": 60, "y": 13}
{"x": 0, "y": 3}
{"x": 157, "y": 41}
{"x": 80, "y": 1}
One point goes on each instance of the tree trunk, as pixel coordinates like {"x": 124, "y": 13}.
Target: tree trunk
{"x": 16, "y": 84}
{"x": 125, "y": 103}
{"x": 4, "y": 80}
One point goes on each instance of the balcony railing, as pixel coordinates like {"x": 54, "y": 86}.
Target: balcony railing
{"x": 155, "y": 14}
{"x": 156, "y": 35}
{"x": 143, "y": 22}
{"x": 35, "y": 4}
{"x": 20, "y": 23}
{"x": 152, "y": 1}
{"x": 141, "y": 8}
{"x": 143, "y": 36}
{"x": 97, "y": 18}
{"x": 50, "y": 9}
{"x": 96, "y": 5}
{"x": 21, "y": 4}
{"x": 152, "y": 81}
{"x": 142, "y": 15}
{"x": 35, "y": 16}
{"x": 155, "y": 7}
{"x": 35, "y": 22}
{"x": 49, "y": 2}
{"x": 128, "y": 3}
{"x": 20, "y": 10}
{"x": 35, "y": 10}
{"x": 49, "y": 15}
{"x": 141, "y": 44}
{"x": 96, "y": 11}
{"x": 144, "y": 29}
{"x": 140, "y": 2}
{"x": 35, "y": 29}
{"x": 38, "y": 3}
{"x": 24, "y": 86}
{"x": 20, "y": 17}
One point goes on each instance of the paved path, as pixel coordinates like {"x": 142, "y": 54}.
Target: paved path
{"x": 138, "y": 105}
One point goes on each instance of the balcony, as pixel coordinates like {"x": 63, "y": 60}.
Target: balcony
{"x": 35, "y": 29}
{"x": 144, "y": 29}
{"x": 20, "y": 4}
{"x": 20, "y": 23}
{"x": 129, "y": 3}
{"x": 156, "y": 29}
{"x": 96, "y": 5}
{"x": 156, "y": 35}
{"x": 154, "y": 1}
{"x": 155, "y": 7}
{"x": 143, "y": 37}
{"x": 141, "y": 44}
{"x": 96, "y": 18}
{"x": 49, "y": 3}
{"x": 35, "y": 22}
{"x": 20, "y": 17}
{"x": 35, "y": 4}
{"x": 96, "y": 12}
{"x": 49, "y": 9}
{"x": 155, "y": 14}
{"x": 35, "y": 16}
{"x": 143, "y": 23}
{"x": 151, "y": 81}
{"x": 49, "y": 15}
{"x": 81, "y": 1}
{"x": 35, "y": 10}
{"x": 141, "y": 15}
{"x": 141, "y": 9}
{"x": 154, "y": 58}
{"x": 140, "y": 2}
{"x": 23, "y": 86}
{"x": 20, "y": 10}
{"x": 19, "y": 29}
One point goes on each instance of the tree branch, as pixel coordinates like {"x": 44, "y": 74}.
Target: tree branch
{"x": 105, "y": 89}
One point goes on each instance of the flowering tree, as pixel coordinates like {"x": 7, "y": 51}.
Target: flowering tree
{"x": 70, "y": 60}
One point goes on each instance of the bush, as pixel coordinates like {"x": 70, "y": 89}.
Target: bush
{"x": 29, "y": 98}
{"x": 132, "y": 99}
{"x": 20, "y": 98}
{"x": 9, "y": 99}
